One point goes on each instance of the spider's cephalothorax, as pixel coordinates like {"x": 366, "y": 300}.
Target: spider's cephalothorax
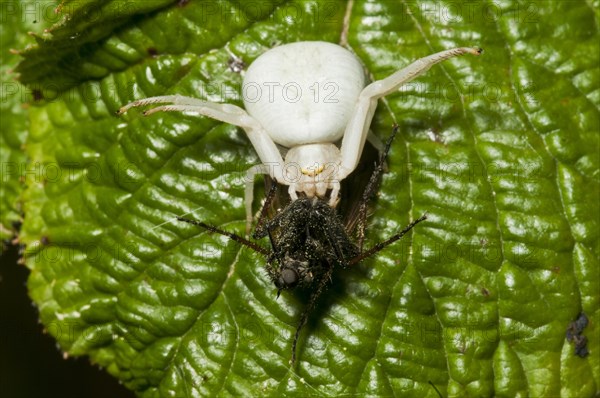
{"x": 308, "y": 240}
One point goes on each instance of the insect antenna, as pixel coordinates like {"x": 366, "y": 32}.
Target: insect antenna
{"x": 371, "y": 187}
{"x": 230, "y": 235}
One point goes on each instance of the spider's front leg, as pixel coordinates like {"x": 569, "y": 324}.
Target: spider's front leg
{"x": 357, "y": 129}
{"x": 272, "y": 162}
{"x": 261, "y": 141}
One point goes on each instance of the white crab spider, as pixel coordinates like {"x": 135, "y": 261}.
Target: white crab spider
{"x": 304, "y": 96}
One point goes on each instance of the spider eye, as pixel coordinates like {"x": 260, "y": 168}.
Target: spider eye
{"x": 289, "y": 277}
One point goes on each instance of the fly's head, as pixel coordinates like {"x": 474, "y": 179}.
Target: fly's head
{"x": 300, "y": 266}
{"x": 292, "y": 272}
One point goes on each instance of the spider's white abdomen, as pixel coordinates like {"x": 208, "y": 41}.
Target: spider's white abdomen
{"x": 303, "y": 92}
{"x": 305, "y": 96}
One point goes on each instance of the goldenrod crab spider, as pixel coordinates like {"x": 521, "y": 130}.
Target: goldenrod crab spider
{"x": 305, "y": 97}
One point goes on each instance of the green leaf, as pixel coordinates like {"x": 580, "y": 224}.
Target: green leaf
{"x": 17, "y": 19}
{"x": 500, "y": 150}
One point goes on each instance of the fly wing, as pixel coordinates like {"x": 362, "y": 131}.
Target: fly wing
{"x": 329, "y": 229}
{"x": 353, "y": 188}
